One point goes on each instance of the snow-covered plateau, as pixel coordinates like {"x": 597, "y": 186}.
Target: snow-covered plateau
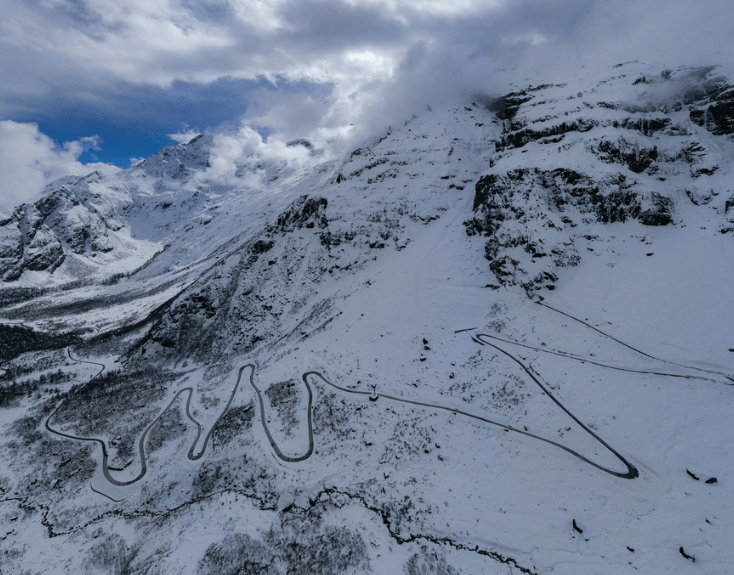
{"x": 494, "y": 339}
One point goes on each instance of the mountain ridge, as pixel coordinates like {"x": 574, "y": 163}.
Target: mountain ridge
{"x": 459, "y": 328}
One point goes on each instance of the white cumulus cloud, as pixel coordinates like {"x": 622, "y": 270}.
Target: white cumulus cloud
{"x": 29, "y": 160}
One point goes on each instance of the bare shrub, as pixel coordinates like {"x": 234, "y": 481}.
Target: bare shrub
{"x": 237, "y": 554}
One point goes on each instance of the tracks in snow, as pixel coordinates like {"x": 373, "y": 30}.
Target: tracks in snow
{"x": 638, "y": 351}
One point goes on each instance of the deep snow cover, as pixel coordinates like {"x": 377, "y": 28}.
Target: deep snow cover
{"x": 495, "y": 339}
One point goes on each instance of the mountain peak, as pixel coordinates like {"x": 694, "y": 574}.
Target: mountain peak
{"x": 507, "y": 317}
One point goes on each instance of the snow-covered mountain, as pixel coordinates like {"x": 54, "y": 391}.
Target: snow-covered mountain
{"x": 494, "y": 339}
{"x": 639, "y": 145}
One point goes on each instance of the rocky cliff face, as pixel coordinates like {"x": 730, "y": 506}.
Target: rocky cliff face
{"x": 69, "y": 220}
{"x": 85, "y": 225}
{"x": 278, "y": 285}
{"x": 263, "y": 291}
{"x": 630, "y": 147}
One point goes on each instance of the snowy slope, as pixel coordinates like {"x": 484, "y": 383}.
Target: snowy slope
{"x": 492, "y": 340}
{"x": 629, "y": 147}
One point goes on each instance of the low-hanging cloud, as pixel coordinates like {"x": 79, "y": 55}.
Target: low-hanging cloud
{"x": 370, "y": 63}
{"x": 158, "y": 42}
{"x": 413, "y": 58}
{"x": 243, "y": 157}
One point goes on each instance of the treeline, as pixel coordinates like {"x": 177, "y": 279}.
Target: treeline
{"x": 10, "y": 392}
{"x": 10, "y": 296}
{"x": 18, "y": 339}
{"x": 13, "y": 295}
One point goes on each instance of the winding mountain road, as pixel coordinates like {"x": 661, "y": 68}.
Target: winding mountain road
{"x": 630, "y": 473}
{"x": 585, "y": 359}
{"x": 263, "y": 418}
{"x": 192, "y": 455}
{"x": 493, "y": 341}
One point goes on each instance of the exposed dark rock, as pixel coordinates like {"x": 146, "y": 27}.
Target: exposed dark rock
{"x": 576, "y": 527}
{"x": 711, "y": 101}
{"x": 658, "y": 214}
{"x": 332, "y": 239}
{"x": 504, "y": 267}
{"x": 722, "y": 115}
{"x": 300, "y": 142}
{"x": 623, "y": 152}
{"x": 700, "y": 197}
{"x": 507, "y": 106}
{"x": 261, "y": 246}
{"x": 518, "y": 135}
{"x": 647, "y": 126}
{"x": 686, "y": 555}
{"x": 718, "y": 116}
{"x": 698, "y": 172}
{"x": 613, "y": 199}
{"x": 39, "y": 236}
{"x": 305, "y": 212}
{"x": 507, "y": 203}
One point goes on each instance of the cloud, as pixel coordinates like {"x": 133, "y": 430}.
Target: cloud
{"x": 328, "y": 70}
{"x": 159, "y": 42}
{"x": 179, "y": 138}
{"x": 29, "y": 160}
{"x": 572, "y": 34}
{"x": 244, "y": 158}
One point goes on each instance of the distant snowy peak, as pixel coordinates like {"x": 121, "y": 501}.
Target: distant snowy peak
{"x": 177, "y": 162}
{"x": 81, "y": 227}
{"x": 77, "y": 219}
{"x": 279, "y": 282}
{"x": 639, "y": 145}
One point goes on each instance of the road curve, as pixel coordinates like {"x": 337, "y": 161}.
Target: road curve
{"x": 273, "y": 444}
{"x": 190, "y": 454}
{"x": 631, "y": 469}
{"x": 101, "y": 365}
{"x": 584, "y": 359}
{"x": 631, "y": 472}
{"x": 141, "y": 442}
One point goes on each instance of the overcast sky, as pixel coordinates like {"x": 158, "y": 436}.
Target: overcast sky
{"x": 104, "y": 81}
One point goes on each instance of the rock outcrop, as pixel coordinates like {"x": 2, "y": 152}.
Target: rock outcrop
{"x": 628, "y": 148}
